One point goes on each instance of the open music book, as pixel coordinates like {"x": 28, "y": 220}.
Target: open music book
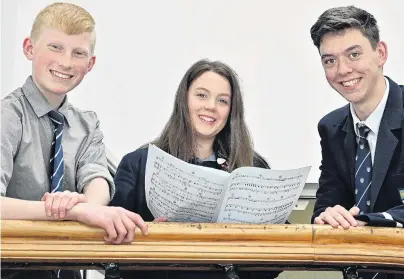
{"x": 185, "y": 192}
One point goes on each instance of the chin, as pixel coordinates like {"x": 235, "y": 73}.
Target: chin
{"x": 356, "y": 97}
{"x": 60, "y": 91}
{"x": 349, "y": 96}
{"x": 205, "y": 135}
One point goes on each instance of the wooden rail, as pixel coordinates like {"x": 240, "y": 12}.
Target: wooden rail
{"x": 280, "y": 245}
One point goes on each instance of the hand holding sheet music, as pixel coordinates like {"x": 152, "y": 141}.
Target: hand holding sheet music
{"x": 189, "y": 193}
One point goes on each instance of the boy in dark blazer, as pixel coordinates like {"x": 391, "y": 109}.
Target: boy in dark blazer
{"x": 362, "y": 168}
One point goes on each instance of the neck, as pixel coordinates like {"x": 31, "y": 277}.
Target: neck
{"x": 364, "y": 109}
{"x": 55, "y": 100}
{"x": 204, "y": 148}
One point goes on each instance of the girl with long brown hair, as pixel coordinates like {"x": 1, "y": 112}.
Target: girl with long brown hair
{"x": 207, "y": 128}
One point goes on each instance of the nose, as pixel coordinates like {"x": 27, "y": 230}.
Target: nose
{"x": 344, "y": 67}
{"x": 65, "y": 61}
{"x": 210, "y": 104}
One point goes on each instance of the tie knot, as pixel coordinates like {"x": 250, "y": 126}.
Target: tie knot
{"x": 56, "y": 117}
{"x": 363, "y": 130}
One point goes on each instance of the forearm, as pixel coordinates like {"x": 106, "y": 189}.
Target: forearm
{"x": 16, "y": 209}
{"x": 97, "y": 191}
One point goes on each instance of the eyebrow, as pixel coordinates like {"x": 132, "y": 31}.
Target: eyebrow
{"x": 202, "y": 88}
{"x": 325, "y": 55}
{"x": 220, "y": 94}
{"x": 353, "y": 47}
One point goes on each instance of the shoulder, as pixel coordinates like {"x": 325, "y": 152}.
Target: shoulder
{"x": 260, "y": 162}
{"x": 13, "y": 114}
{"x": 135, "y": 159}
{"x": 85, "y": 117}
{"x": 12, "y": 104}
{"x": 335, "y": 117}
{"x": 394, "y": 84}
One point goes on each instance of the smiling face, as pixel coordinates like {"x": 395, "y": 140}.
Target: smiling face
{"x": 59, "y": 61}
{"x": 209, "y": 102}
{"x": 352, "y": 67}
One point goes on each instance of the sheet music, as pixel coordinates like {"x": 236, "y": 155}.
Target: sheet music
{"x": 181, "y": 191}
{"x": 262, "y": 196}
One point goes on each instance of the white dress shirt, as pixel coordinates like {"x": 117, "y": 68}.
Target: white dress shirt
{"x": 372, "y": 122}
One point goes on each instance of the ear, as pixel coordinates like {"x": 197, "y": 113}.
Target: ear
{"x": 28, "y": 47}
{"x": 382, "y": 53}
{"x": 91, "y": 64}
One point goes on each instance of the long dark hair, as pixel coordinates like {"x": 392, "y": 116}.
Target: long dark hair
{"x": 233, "y": 142}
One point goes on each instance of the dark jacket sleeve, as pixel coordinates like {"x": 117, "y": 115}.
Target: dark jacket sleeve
{"x": 125, "y": 179}
{"x": 332, "y": 190}
{"x": 130, "y": 184}
{"x": 393, "y": 217}
{"x": 260, "y": 162}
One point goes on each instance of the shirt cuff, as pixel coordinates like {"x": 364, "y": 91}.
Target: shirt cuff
{"x": 3, "y": 189}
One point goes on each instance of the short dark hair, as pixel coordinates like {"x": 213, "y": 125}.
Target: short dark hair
{"x": 337, "y": 20}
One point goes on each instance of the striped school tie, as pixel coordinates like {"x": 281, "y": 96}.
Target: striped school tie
{"x": 56, "y": 161}
{"x": 363, "y": 170}
{"x": 363, "y": 182}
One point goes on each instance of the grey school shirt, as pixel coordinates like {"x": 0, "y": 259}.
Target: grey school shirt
{"x": 26, "y": 140}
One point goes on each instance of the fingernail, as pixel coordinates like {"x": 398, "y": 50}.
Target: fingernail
{"x": 49, "y": 213}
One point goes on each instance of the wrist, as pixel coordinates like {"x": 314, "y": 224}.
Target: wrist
{"x": 75, "y": 213}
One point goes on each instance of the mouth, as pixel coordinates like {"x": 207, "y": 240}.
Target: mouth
{"x": 351, "y": 83}
{"x": 207, "y": 119}
{"x": 60, "y": 75}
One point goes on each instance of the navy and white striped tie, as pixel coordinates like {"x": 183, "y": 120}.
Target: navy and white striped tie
{"x": 363, "y": 170}
{"x": 363, "y": 182}
{"x": 56, "y": 160}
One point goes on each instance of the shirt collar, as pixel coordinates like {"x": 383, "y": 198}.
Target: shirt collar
{"x": 374, "y": 119}
{"x": 39, "y": 103}
{"x": 211, "y": 157}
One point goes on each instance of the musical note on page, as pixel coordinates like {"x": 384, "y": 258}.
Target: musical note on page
{"x": 181, "y": 191}
{"x": 262, "y": 196}
{"x": 189, "y": 193}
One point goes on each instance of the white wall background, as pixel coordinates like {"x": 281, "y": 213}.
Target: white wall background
{"x": 144, "y": 48}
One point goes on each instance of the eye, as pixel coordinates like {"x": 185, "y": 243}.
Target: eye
{"x": 202, "y": 95}
{"x": 54, "y": 47}
{"x": 80, "y": 53}
{"x": 329, "y": 61}
{"x": 224, "y": 101}
{"x": 354, "y": 55}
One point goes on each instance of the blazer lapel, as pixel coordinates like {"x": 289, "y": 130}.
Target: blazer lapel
{"x": 349, "y": 147}
{"x": 386, "y": 140}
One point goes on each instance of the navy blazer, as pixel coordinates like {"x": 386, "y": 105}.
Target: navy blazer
{"x": 338, "y": 147}
{"x": 130, "y": 194}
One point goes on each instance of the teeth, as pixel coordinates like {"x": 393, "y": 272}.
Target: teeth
{"x": 351, "y": 82}
{"x": 60, "y": 75}
{"x": 207, "y": 119}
